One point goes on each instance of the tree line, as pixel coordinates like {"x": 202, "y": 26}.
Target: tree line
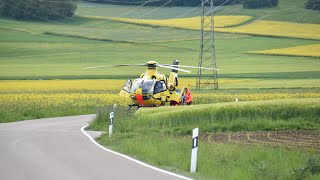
{"x": 38, "y": 9}
{"x": 313, "y": 4}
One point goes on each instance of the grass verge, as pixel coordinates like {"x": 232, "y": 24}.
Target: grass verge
{"x": 217, "y": 160}
{"x": 235, "y": 116}
{"x": 162, "y": 137}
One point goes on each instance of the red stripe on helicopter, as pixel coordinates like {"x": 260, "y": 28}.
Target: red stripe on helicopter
{"x": 139, "y": 98}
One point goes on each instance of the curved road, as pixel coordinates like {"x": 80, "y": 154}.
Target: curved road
{"x": 55, "y": 148}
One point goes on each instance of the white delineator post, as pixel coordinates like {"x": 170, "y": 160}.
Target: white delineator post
{"x": 195, "y": 140}
{"x": 111, "y": 123}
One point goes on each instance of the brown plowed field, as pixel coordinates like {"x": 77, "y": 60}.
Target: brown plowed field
{"x": 290, "y": 139}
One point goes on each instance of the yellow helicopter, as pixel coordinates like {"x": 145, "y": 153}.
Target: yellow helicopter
{"x": 153, "y": 89}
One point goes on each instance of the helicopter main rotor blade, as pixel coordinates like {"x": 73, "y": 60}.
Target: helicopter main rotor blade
{"x": 96, "y": 67}
{"x": 117, "y": 65}
{"x": 196, "y": 67}
{"x": 170, "y": 67}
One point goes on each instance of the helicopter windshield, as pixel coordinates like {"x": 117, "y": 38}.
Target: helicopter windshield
{"x": 147, "y": 85}
{"x": 136, "y": 84}
{"x": 127, "y": 86}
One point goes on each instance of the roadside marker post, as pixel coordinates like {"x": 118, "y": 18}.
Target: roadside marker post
{"x": 195, "y": 141}
{"x": 111, "y": 124}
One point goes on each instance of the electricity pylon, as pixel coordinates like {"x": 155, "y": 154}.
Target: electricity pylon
{"x": 207, "y": 79}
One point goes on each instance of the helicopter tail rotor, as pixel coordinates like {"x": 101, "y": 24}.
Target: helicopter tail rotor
{"x": 175, "y": 64}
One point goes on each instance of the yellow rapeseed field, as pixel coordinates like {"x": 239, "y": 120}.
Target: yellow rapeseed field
{"x": 86, "y": 96}
{"x": 42, "y": 102}
{"x": 188, "y": 23}
{"x": 207, "y": 98}
{"x": 42, "y": 98}
{"x": 192, "y": 81}
{"x": 52, "y": 86}
{"x": 223, "y": 23}
{"x": 308, "y": 51}
{"x": 277, "y": 29}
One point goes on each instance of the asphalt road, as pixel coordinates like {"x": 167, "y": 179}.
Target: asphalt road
{"x": 55, "y": 148}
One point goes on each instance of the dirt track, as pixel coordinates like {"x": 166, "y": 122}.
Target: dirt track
{"x": 290, "y": 139}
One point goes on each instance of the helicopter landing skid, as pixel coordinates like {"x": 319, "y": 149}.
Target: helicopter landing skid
{"x": 130, "y": 106}
{"x": 140, "y": 106}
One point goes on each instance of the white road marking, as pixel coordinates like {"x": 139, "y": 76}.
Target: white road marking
{"x": 130, "y": 158}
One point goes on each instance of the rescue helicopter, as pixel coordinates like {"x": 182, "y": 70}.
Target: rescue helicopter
{"x": 153, "y": 89}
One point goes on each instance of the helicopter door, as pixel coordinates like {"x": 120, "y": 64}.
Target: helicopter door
{"x": 126, "y": 89}
{"x": 160, "y": 86}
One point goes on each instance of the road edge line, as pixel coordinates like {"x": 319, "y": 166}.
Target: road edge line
{"x": 130, "y": 158}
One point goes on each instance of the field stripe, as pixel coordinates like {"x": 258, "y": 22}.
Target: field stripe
{"x": 303, "y": 51}
{"x": 277, "y": 29}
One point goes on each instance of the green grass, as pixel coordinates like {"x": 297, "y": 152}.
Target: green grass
{"x": 38, "y": 55}
{"x": 162, "y": 137}
{"x": 215, "y": 160}
{"x": 236, "y": 116}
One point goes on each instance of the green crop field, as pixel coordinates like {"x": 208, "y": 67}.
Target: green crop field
{"x": 271, "y": 133}
{"x": 39, "y": 55}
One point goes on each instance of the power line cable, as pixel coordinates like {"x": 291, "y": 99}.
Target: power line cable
{"x": 123, "y": 2}
{"x": 134, "y": 9}
{"x": 306, "y": 13}
{"x": 56, "y": 12}
{"x": 174, "y": 18}
{"x": 31, "y": 13}
{"x": 182, "y": 23}
{"x": 155, "y": 9}
{"x": 65, "y": 15}
{"x": 120, "y": 23}
{"x": 130, "y": 2}
{"x": 314, "y": 18}
{"x": 267, "y": 15}
{"x": 189, "y": 11}
{"x": 52, "y": 20}
{"x": 60, "y": 2}
{"x": 165, "y": 27}
{"x": 144, "y": 3}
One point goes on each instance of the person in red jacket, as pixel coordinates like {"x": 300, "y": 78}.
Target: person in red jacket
{"x": 188, "y": 96}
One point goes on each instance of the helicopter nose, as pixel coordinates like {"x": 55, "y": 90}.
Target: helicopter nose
{"x": 139, "y": 98}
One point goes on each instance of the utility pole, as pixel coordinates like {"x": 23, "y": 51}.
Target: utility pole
{"x": 207, "y": 79}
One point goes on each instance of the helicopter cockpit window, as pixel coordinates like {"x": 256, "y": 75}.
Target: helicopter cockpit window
{"x": 147, "y": 86}
{"x": 159, "y": 87}
{"x": 127, "y": 86}
{"x": 136, "y": 84}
